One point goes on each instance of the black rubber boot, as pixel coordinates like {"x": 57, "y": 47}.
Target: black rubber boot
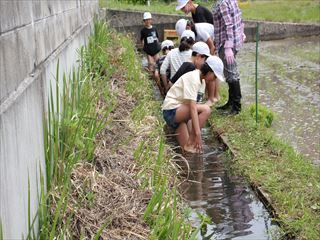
{"x": 228, "y": 104}
{"x": 236, "y": 101}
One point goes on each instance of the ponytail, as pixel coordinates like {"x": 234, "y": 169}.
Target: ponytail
{"x": 185, "y": 44}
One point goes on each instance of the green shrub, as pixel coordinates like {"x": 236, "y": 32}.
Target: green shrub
{"x": 265, "y": 116}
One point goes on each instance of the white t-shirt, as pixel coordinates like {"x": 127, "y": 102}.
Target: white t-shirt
{"x": 204, "y": 31}
{"x": 185, "y": 88}
{"x": 174, "y": 59}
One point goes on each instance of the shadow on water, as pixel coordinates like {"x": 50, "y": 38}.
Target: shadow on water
{"x": 211, "y": 189}
{"x": 289, "y": 84}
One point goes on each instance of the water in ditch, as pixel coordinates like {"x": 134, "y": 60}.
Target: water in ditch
{"x": 212, "y": 190}
{"x": 289, "y": 84}
{"x": 234, "y": 210}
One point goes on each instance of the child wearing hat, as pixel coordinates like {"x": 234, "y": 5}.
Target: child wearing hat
{"x": 180, "y": 110}
{"x": 150, "y": 41}
{"x": 204, "y": 32}
{"x": 177, "y": 56}
{"x": 199, "y": 13}
{"x": 200, "y": 52}
{"x": 166, "y": 47}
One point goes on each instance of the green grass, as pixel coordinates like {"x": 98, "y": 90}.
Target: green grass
{"x": 304, "y": 11}
{"x": 72, "y": 126}
{"x": 292, "y": 182}
{"x": 155, "y": 7}
{"x": 164, "y": 212}
{"x": 70, "y": 131}
{"x": 283, "y": 11}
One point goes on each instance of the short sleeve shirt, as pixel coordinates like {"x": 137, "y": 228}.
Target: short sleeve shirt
{"x": 185, "y": 67}
{"x": 202, "y": 14}
{"x": 204, "y": 31}
{"x": 186, "y": 88}
{"x": 150, "y": 38}
{"x": 174, "y": 60}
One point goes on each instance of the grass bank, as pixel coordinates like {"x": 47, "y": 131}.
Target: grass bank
{"x": 301, "y": 11}
{"x": 109, "y": 173}
{"x": 291, "y": 182}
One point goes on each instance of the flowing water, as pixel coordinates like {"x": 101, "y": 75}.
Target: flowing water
{"x": 289, "y": 84}
{"x": 232, "y": 206}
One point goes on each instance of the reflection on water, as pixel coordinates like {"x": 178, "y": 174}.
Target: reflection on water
{"x": 235, "y": 211}
{"x": 289, "y": 84}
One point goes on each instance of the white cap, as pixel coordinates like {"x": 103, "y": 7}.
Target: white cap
{"x": 188, "y": 34}
{"x": 147, "y": 15}
{"x": 201, "y": 48}
{"x": 181, "y": 26}
{"x": 216, "y": 64}
{"x": 167, "y": 43}
{"x": 181, "y": 4}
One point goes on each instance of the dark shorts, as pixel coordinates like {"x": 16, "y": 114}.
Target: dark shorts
{"x": 169, "y": 116}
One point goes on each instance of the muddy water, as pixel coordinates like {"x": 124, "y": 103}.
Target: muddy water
{"x": 235, "y": 211}
{"x": 289, "y": 84}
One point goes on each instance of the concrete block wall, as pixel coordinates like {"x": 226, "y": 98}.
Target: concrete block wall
{"x": 34, "y": 35}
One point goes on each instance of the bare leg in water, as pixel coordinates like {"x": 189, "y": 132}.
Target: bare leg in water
{"x": 186, "y": 136}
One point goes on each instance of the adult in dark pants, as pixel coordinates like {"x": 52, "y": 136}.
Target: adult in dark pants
{"x": 199, "y": 13}
{"x": 229, "y": 37}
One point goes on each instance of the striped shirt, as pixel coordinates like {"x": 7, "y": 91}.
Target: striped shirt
{"x": 227, "y": 24}
{"x": 174, "y": 60}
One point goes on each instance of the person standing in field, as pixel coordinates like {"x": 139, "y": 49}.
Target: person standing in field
{"x": 229, "y": 37}
{"x": 150, "y": 41}
{"x": 199, "y": 13}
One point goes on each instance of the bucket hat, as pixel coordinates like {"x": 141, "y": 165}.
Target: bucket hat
{"x": 216, "y": 64}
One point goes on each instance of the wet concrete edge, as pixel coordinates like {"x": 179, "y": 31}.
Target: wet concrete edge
{"x": 260, "y": 193}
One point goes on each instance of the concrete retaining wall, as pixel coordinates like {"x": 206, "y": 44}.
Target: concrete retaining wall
{"x": 278, "y": 30}
{"x": 33, "y": 36}
{"x": 131, "y": 21}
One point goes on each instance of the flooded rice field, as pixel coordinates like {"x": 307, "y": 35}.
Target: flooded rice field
{"x": 289, "y": 84}
{"x": 233, "y": 208}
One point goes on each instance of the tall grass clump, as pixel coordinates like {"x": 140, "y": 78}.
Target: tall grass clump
{"x": 164, "y": 211}
{"x": 78, "y": 108}
{"x": 75, "y": 116}
{"x": 265, "y": 116}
